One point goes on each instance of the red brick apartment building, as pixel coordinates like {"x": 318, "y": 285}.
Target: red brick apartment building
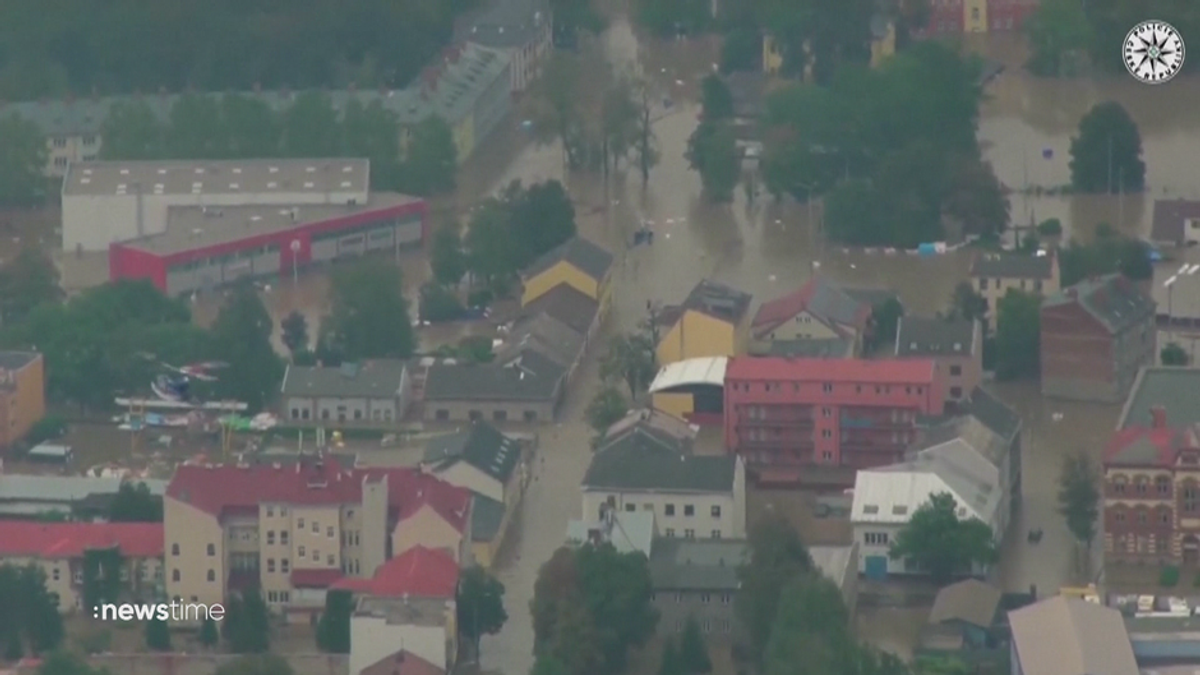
{"x": 1152, "y": 493}
{"x": 827, "y": 412}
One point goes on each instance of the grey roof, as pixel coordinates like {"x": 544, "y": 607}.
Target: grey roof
{"x": 993, "y": 413}
{"x": 64, "y": 489}
{"x": 1116, "y": 302}
{"x": 17, "y": 360}
{"x": 1173, "y": 388}
{"x": 1012, "y": 266}
{"x": 581, "y": 253}
{"x": 969, "y": 601}
{"x": 505, "y": 24}
{"x": 565, "y": 304}
{"x": 380, "y": 378}
{"x": 545, "y": 335}
{"x": 1170, "y": 216}
{"x": 486, "y": 517}
{"x": 628, "y": 532}
{"x": 646, "y": 459}
{"x": 961, "y": 432}
{"x": 668, "y": 429}
{"x": 816, "y": 348}
{"x": 218, "y": 177}
{"x": 718, "y": 301}
{"x": 528, "y": 376}
{"x": 1067, "y": 636}
{"x": 462, "y": 77}
{"x": 935, "y": 336}
{"x": 481, "y": 445}
{"x": 697, "y": 564}
{"x": 971, "y": 476}
{"x": 832, "y": 301}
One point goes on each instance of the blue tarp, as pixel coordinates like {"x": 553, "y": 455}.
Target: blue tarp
{"x": 927, "y": 249}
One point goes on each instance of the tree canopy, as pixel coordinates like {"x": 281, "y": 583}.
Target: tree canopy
{"x": 1173, "y": 355}
{"x": 369, "y": 317}
{"x": 135, "y": 503}
{"x": 1079, "y": 496}
{"x": 1018, "y": 335}
{"x": 941, "y": 542}
{"x": 510, "y": 231}
{"x": 1106, "y": 155}
{"x": 480, "y": 606}
{"x": 712, "y": 152}
{"x": 29, "y": 620}
{"x": 23, "y": 158}
{"x": 777, "y": 557}
{"x": 247, "y": 624}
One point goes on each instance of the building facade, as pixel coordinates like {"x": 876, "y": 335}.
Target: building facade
{"x": 373, "y": 393}
{"x": 714, "y": 320}
{"x": 1096, "y": 336}
{"x": 819, "y": 310}
{"x": 522, "y": 29}
{"x": 948, "y": 17}
{"x": 995, "y": 274}
{"x": 22, "y": 394}
{"x": 578, "y": 263}
{"x": 526, "y": 387}
{"x": 850, "y": 412}
{"x": 956, "y": 345}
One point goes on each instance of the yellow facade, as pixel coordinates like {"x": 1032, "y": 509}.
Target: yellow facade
{"x": 772, "y": 58}
{"x": 564, "y": 272}
{"x": 676, "y": 405}
{"x": 975, "y": 16}
{"x": 884, "y": 47}
{"x": 698, "y": 335}
{"x": 464, "y": 137}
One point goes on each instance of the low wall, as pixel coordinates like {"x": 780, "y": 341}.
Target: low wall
{"x": 206, "y": 664}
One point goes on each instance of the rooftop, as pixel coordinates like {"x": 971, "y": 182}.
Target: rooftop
{"x": 893, "y": 493}
{"x": 706, "y": 370}
{"x": 487, "y": 515}
{"x": 642, "y": 457}
{"x": 10, "y": 360}
{"x": 580, "y": 253}
{"x": 1170, "y": 216}
{"x": 480, "y": 445}
{"x": 970, "y": 601}
{"x": 402, "y": 662}
{"x": 803, "y": 348}
{"x": 1116, "y": 302}
{"x": 721, "y": 302}
{"x": 1150, "y": 446}
{"x": 380, "y": 378}
{"x": 191, "y": 227}
{"x": 1172, "y": 387}
{"x": 419, "y": 572}
{"x": 1013, "y": 266}
{"x": 19, "y": 539}
{"x": 567, "y": 305}
{"x": 935, "y": 336}
{"x": 669, "y": 428}
{"x": 63, "y": 489}
{"x": 628, "y": 532}
{"x": 219, "y": 489}
{"x": 545, "y": 335}
{"x": 529, "y": 376}
{"x": 1066, "y": 636}
{"x": 697, "y": 564}
{"x": 993, "y": 413}
{"x": 217, "y": 177}
{"x": 892, "y": 371}
{"x": 825, "y": 299}
{"x": 505, "y": 24}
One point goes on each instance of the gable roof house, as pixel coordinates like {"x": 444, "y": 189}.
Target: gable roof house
{"x": 1176, "y": 222}
{"x": 995, "y": 274}
{"x": 1067, "y": 636}
{"x": 547, "y": 336}
{"x": 955, "y": 344}
{"x": 526, "y": 386}
{"x": 578, "y": 262}
{"x": 963, "y": 616}
{"x": 519, "y": 28}
{"x": 711, "y": 321}
{"x": 644, "y": 465}
{"x": 820, "y": 310}
{"x": 1116, "y": 320}
{"x": 373, "y": 393}
{"x": 566, "y": 305}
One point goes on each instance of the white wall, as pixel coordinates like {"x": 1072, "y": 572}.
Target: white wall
{"x": 731, "y": 523}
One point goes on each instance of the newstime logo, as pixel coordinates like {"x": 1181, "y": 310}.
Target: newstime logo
{"x": 173, "y": 611}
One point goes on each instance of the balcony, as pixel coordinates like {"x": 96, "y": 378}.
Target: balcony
{"x": 798, "y": 443}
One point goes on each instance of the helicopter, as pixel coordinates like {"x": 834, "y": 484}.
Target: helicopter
{"x": 175, "y": 385}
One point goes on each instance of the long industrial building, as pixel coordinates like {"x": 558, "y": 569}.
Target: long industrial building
{"x": 192, "y": 226}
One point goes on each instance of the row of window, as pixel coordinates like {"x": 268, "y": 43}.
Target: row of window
{"x": 705, "y": 598}
{"x": 876, "y": 538}
{"x": 689, "y": 510}
{"x": 497, "y": 415}
{"x": 217, "y": 261}
{"x": 826, "y": 387}
{"x": 690, "y": 533}
{"x": 999, "y": 283}
{"x": 177, "y": 576}
{"x": 1164, "y": 517}
{"x": 279, "y": 596}
{"x": 61, "y": 142}
{"x": 377, "y": 414}
{"x": 706, "y": 626}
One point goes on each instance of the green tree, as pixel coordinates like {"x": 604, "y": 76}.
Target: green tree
{"x": 28, "y": 280}
{"x": 101, "y": 576}
{"x": 1051, "y": 227}
{"x": 541, "y": 218}
{"x": 607, "y": 407}
{"x": 158, "y": 635}
{"x": 431, "y": 163}
{"x": 310, "y": 127}
{"x": 439, "y": 303}
{"x": 29, "y": 618}
{"x": 1173, "y": 355}
{"x": 811, "y": 631}
{"x": 209, "y": 637}
{"x": 741, "y": 51}
{"x": 1133, "y": 260}
{"x": 256, "y": 664}
{"x": 63, "y": 662}
{"x": 966, "y": 303}
{"x": 853, "y": 214}
{"x": 1018, "y": 335}
{"x": 333, "y": 629}
{"x": 554, "y": 107}
{"x": 693, "y": 653}
{"x": 818, "y": 36}
{"x": 548, "y": 665}
{"x": 242, "y": 337}
{"x": 943, "y": 543}
{"x": 491, "y": 252}
{"x": 670, "y": 663}
{"x": 630, "y": 359}
{"x": 372, "y": 131}
{"x": 1058, "y": 30}
{"x": 135, "y": 504}
{"x": 619, "y": 119}
{"x": 716, "y": 99}
{"x": 563, "y": 628}
{"x": 885, "y": 318}
{"x": 246, "y": 627}
{"x": 777, "y": 557}
{"x": 712, "y": 152}
{"x": 370, "y": 315}
{"x": 132, "y": 131}
{"x": 573, "y": 17}
{"x": 195, "y": 129}
{"x": 646, "y": 151}
{"x": 447, "y": 259}
{"x": 251, "y": 129}
{"x": 480, "y": 606}
{"x": 294, "y": 332}
{"x": 1079, "y": 497}
{"x": 1106, "y": 155}
{"x": 670, "y": 17}
{"x": 23, "y": 157}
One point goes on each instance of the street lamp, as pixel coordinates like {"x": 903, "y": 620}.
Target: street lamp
{"x": 295, "y": 247}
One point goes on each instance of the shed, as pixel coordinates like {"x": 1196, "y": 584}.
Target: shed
{"x": 50, "y": 453}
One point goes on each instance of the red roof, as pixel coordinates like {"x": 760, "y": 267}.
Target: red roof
{"x": 321, "y": 578}
{"x": 419, "y": 571}
{"x": 774, "y": 312}
{"x": 1155, "y": 446}
{"x": 883, "y": 371}
{"x": 223, "y": 488}
{"x": 834, "y": 304}
{"x": 70, "y": 540}
{"x": 402, "y": 662}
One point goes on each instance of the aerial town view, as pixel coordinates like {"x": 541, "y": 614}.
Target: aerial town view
{"x": 599, "y": 337}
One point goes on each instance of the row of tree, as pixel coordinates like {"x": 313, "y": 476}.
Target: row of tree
{"x": 892, "y": 150}
{"x": 120, "y": 46}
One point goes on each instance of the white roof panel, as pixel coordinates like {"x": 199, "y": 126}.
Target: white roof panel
{"x": 708, "y": 370}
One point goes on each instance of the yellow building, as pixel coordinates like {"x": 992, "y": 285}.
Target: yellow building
{"x": 994, "y": 274}
{"x": 692, "y": 390}
{"x": 975, "y": 16}
{"x": 883, "y": 45}
{"x": 714, "y": 320}
{"x": 578, "y": 263}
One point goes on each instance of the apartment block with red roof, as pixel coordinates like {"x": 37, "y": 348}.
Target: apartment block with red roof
{"x": 409, "y": 604}
{"x": 836, "y": 415}
{"x": 59, "y": 549}
{"x": 1152, "y": 493}
{"x": 293, "y": 530}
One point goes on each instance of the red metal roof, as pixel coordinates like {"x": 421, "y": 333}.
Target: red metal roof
{"x": 70, "y": 540}
{"x": 774, "y": 312}
{"x": 780, "y": 369}
{"x": 321, "y": 578}
{"x": 402, "y": 662}
{"x": 419, "y": 571}
{"x": 222, "y": 488}
{"x": 1156, "y": 446}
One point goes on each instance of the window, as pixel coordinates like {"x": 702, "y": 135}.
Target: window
{"x": 876, "y": 538}
{"x": 174, "y": 549}
{"x": 270, "y": 537}
{"x": 956, "y": 392}
{"x": 705, "y": 598}
{"x": 316, "y": 555}
{"x": 270, "y": 512}
{"x": 300, "y": 523}
{"x": 283, "y": 537}
{"x": 349, "y": 513}
{"x": 329, "y": 559}
{"x": 689, "y": 510}
{"x": 316, "y": 527}
{"x": 174, "y": 575}
{"x": 827, "y": 455}
{"x": 329, "y": 532}
{"x": 1142, "y": 517}
{"x": 301, "y": 551}
{"x": 715, "y": 511}
{"x": 956, "y": 370}
{"x": 631, "y": 507}
{"x": 983, "y": 284}
{"x": 826, "y": 433}
{"x": 270, "y": 564}
{"x": 974, "y": 13}
{"x": 647, "y": 507}
{"x": 57, "y": 574}
{"x": 679, "y": 597}
{"x": 1163, "y": 484}
{"x": 61, "y": 143}
{"x": 474, "y": 415}
{"x": 89, "y": 141}
{"x": 716, "y": 534}
{"x": 499, "y": 415}
{"x": 212, "y": 575}
{"x": 61, "y": 163}
{"x": 826, "y": 412}
{"x": 212, "y": 549}
{"x": 689, "y": 534}
{"x": 670, "y": 532}
{"x": 726, "y": 626}
{"x": 669, "y": 509}
{"x": 284, "y": 565}
{"x": 442, "y": 415}
{"x": 726, "y": 598}
{"x": 1119, "y": 485}
{"x": 530, "y": 415}
{"x": 1164, "y": 517}
{"x": 707, "y": 626}
{"x": 827, "y": 387}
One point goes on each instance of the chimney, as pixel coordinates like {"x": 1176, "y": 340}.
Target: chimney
{"x": 1158, "y": 416}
